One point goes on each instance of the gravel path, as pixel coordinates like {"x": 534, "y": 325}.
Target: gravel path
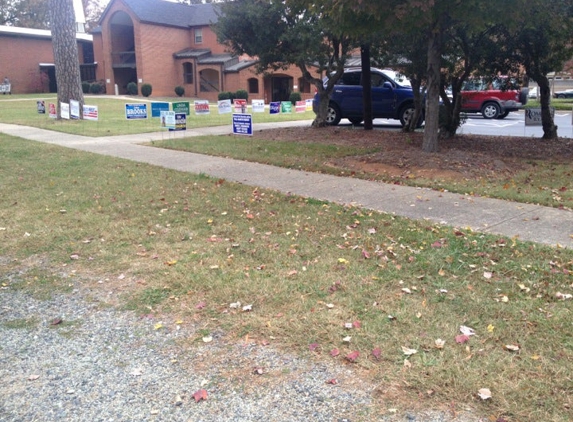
{"x": 102, "y": 364}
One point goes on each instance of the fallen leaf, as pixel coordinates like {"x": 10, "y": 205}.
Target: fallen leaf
{"x": 247, "y": 308}
{"x": 356, "y": 324}
{"x": 563, "y": 296}
{"x": 136, "y": 372}
{"x": 347, "y": 339}
{"x": 353, "y": 356}
{"x": 33, "y": 377}
{"x": 467, "y": 330}
{"x": 512, "y": 347}
{"x": 487, "y": 275}
{"x": 158, "y": 326}
{"x": 490, "y": 328}
{"x": 207, "y": 339}
{"x": 462, "y": 338}
{"x": 235, "y": 305}
{"x": 439, "y": 343}
{"x": 313, "y": 346}
{"x": 408, "y": 352}
{"x": 200, "y": 305}
{"x": 334, "y": 352}
{"x": 484, "y": 393}
{"x": 56, "y": 321}
{"x": 377, "y": 353}
{"x": 200, "y": 395}
{"x": 406, "y": 290}
{"x": 332, "y": 381}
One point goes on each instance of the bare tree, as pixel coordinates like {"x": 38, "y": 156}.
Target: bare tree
{"x": 66, "y": 57}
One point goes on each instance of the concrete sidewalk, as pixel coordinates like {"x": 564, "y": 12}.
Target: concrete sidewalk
{"x": 527, "y": 222}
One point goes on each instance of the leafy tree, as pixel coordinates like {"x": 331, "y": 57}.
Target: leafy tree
{"x": 25, "y": 13}
{"x": 541, "y": 41}
{"x": 280, "y": 35}
{"x": 65, "y": 48}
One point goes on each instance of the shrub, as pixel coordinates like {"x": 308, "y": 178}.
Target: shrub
{"x": 95, "y": 88}
{"x": 146, "y": 90}
{"x": 224, "y": 95}
{"x": 294, "y": 97}
{"x": 86, "y": 87}
{"x": 241, "y": 94}
{"x": 180, "y": 91}
{"x": 132, "y": 88}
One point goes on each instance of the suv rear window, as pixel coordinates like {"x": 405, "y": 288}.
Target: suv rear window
{"x": 350, "y": 78}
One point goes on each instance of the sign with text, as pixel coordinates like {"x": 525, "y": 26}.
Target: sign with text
{"x": 180, "y": 121}
{"x": 309, "y": 105}
{"x": 533, "y": 116}
{"x": 240, "y": 105}
{"x": 158, "y": 107}
{"x": 224, "y": 106}
{"x": 135, "y": 111}
{"x": 275, "y": 107}
{"x": 41, "y": 106}
{"x": 53, "y": 111}
{"x": 90, "y": 112}
{"x": 167, "y": 119}
{"x": 300, "y": 106}
{"x": 74, "y": 109}
{"x": 258, "y": 106}
{"x": 202, "y": 107}
{"x": 286, "y": 107}
{"x": 181, "y": 107}
{"x": 65, "y": 111}
{"x": 242, "y": 124}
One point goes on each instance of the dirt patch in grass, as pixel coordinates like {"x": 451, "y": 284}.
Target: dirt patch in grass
{"x": 462, "y": 157}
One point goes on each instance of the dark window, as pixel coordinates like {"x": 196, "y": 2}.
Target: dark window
{"x": 188, "y": 73}
{"x": 253, "y": 85}
{"x": 350, "y": 78}
{"x": 304, "y": 85}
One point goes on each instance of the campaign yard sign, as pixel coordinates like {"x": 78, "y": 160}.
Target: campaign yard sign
{"x": 41, "y": 107}
{"x": 181, "y": 107}
{"x": 300, "y": 106}
{"x": 202, "y": 107}
{"x": 242, "y": 124}
{"x": 53, "y": 111}
{"x": 286, "y": 107}
{"x": 275, "y": 107}
{"x": 158, "y": 107}
{"x": 224, "y": 106}
{"x": 533, "y": 116}
{"x": 240, "y": 105}
{"x": 180, "y": 121}
{"x": 258, "y": 106}
{"x": 309, "y": 105}
{"x": 90, "y": 112}
{"x": 135, "y": 111}
{"x": 65, "y": 111}
{"x": 167, "y": 119}
{"x": 74, "y": 109}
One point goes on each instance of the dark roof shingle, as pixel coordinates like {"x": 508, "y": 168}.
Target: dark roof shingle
{"x": 173, "y": 14}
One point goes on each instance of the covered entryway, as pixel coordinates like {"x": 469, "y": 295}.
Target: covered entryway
{"x": 123, "y": 60}
{"x": 281, "y": 87}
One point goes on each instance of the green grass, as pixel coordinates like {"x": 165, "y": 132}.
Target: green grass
{"x": 188, "y": 246}
{"x": 22, "y": 110}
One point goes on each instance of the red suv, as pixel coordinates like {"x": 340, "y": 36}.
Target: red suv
{"x": 494, "y": 99}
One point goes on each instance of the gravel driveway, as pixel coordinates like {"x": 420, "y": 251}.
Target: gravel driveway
{"x": 71, "y": 358}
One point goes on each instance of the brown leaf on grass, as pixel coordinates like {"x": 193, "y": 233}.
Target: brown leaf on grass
{"x": 313, "y": 346}
{"x": 200, "y": 305}
{"x": 356, "y": 324}
{"x": 332, "y": 381}
{"x": 334, "y": 352}
{"x": 462, "y": 338}
{"x": 365, "y": 254}
{"x": 377, "y": 353}
{"x": 200, "y": 395}
{"x": 56, "y": 321}
{"x": 353, "y": 356}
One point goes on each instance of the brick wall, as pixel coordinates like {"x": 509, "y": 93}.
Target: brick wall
{"x": 19, "y": 59}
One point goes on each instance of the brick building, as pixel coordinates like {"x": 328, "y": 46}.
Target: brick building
{"x": 169, "y": 44}
{"x": 27, "y": 59}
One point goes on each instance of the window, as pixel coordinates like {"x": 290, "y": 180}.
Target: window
{"x": 199, "y": 36}
{"x": 253, "y": 85}
{"x": 350, "y": 78}
{"x": 188, "y": 73}
{"x": 304, "y": 86}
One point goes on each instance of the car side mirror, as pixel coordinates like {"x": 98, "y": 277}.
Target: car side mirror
{"x": 387, "y": 85}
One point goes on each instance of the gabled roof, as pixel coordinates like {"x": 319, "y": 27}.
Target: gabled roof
{"x": 179, "y": 15}
{"x": 37, "y": 33}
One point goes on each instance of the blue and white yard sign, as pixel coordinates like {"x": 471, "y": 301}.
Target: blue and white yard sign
{"x": 242, "y": 124}
{"x": 135, "y": 111}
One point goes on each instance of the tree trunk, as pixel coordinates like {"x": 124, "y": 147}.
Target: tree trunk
{"x": 549, "y": 128}
{"x": 418, "y": 104}
{"x": 66, "y": 56}
{"x": 366, "y": 86}
{"x": 323, "y": 100}
{"x": 431, "y": 131}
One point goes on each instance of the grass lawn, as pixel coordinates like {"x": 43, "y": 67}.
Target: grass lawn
{"x": 22, "y": 110}
{"x": 187, "y": 246}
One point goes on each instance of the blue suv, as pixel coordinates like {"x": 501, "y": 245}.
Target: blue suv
{"x": 392, "y": 97}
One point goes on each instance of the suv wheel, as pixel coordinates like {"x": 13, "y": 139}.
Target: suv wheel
{"x": 333, "y": 115}
{"x": 490, "y": 111}
{"x": 407, "y": 113}
{"x": 503, "y": 115}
